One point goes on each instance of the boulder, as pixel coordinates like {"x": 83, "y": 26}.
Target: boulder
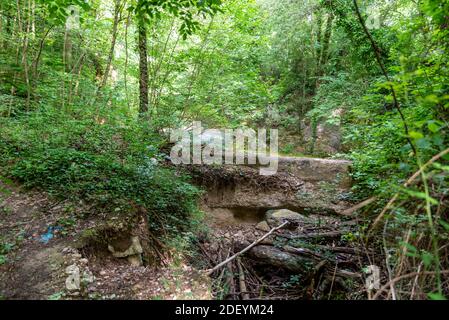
{"x": 128, "y": 248}
{"x": 313, "y": 185}
{"x": 285, "y": 214}
{"x": 132, "y": 247}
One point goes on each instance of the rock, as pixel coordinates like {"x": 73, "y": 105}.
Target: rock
{"x": 133, "y": 249}
{"x": 72, "y": 269}
{"x": 133, "y": 252}
{"x": 74, "y": 294}
{"x": 285, "y": 214}
{"x": 84, "y": 261}
{"x": 73, "y": 281}
{"x": 311, "y": 184}
{"x": 263, "y": 226}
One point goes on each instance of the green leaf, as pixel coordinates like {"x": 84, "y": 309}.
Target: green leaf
{"x": 434, "y": 126}
{"x": 440, "y": 166}
{"x": 421, "y": 195}
{"x": 410, "y": 248}
{"x": 436, "y": 296}
{"x": 444, "y": 224}
{"x": 427, "y": 258}
{"x": 415, "y": 135}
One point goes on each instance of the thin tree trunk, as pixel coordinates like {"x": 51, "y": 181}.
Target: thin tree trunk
{"x": 155, "y": 74}
{"x": 8, "y": 27}
{"x": 143, "y": 69}
{"x": 18, "y": 33}
{"x": 25, "y": 56}
{"x": 39, "y": 54}
{"x": 318, "y": 46}
{"x": 326, "y": 42}
{"x": 2, "y": 12}
{"x": 68, "y": 50}
{"x": 33, "y": 18}
{"x": 117, "y": 11}
{"x": 318, "y": 37}
{"x": 77, "y": 70}
{"x": 127, "y": 59}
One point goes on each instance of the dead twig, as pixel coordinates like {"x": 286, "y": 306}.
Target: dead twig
{"x": 331, "y": 234}
{"x": 406, "y": 276}
{"x": 350, "y": 211}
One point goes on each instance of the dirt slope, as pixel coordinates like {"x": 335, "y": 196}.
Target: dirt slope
{"x": 39, "y": 239}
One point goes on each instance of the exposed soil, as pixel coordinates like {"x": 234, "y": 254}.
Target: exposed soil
{"x": 36, "y": 270}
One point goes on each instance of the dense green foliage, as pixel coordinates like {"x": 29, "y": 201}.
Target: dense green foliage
{"x": 112, "y": 166}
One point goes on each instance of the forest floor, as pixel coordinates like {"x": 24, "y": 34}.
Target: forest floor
{"x": 309, "y": 259}
{"x": 35, "y": 260}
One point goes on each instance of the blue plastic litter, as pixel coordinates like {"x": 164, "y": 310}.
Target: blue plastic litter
{"x": 45, "y": 238}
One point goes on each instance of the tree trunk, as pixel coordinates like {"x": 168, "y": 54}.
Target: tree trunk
{"x": 25, "y": 55}
{"x": 117, "y": 12}
{"x": 319, "y": 23}
{"x": 67, "y": 50}
{"x": 143, "y": 69}
{"x": 326, "y": 43}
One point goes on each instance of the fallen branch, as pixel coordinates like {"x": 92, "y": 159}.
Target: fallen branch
{"x": 305, "y": 251}
{"x": 350, "y": 211}
{"x": 353, "y": 251}
{"x": 331, "y": 234}
{"x": 242, "y": 283}
{"x": 211, "y": 271}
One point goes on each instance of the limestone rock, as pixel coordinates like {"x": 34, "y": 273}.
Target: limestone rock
{"x": 72, "y": 269}
{"x": 285, "y": 214}
{"x": 134, "y": 249}
{"x": 73, "y": 281}
{"x": 311, "y": 184}
{"x": 263, "y": 226}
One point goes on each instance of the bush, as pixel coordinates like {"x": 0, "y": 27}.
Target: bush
{"x": 108, "y": 164}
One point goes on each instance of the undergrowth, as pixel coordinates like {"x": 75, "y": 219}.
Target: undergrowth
{"x": 108, "y": 162}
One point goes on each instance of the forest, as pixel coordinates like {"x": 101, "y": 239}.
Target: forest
{"x": 91, "y": 207}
